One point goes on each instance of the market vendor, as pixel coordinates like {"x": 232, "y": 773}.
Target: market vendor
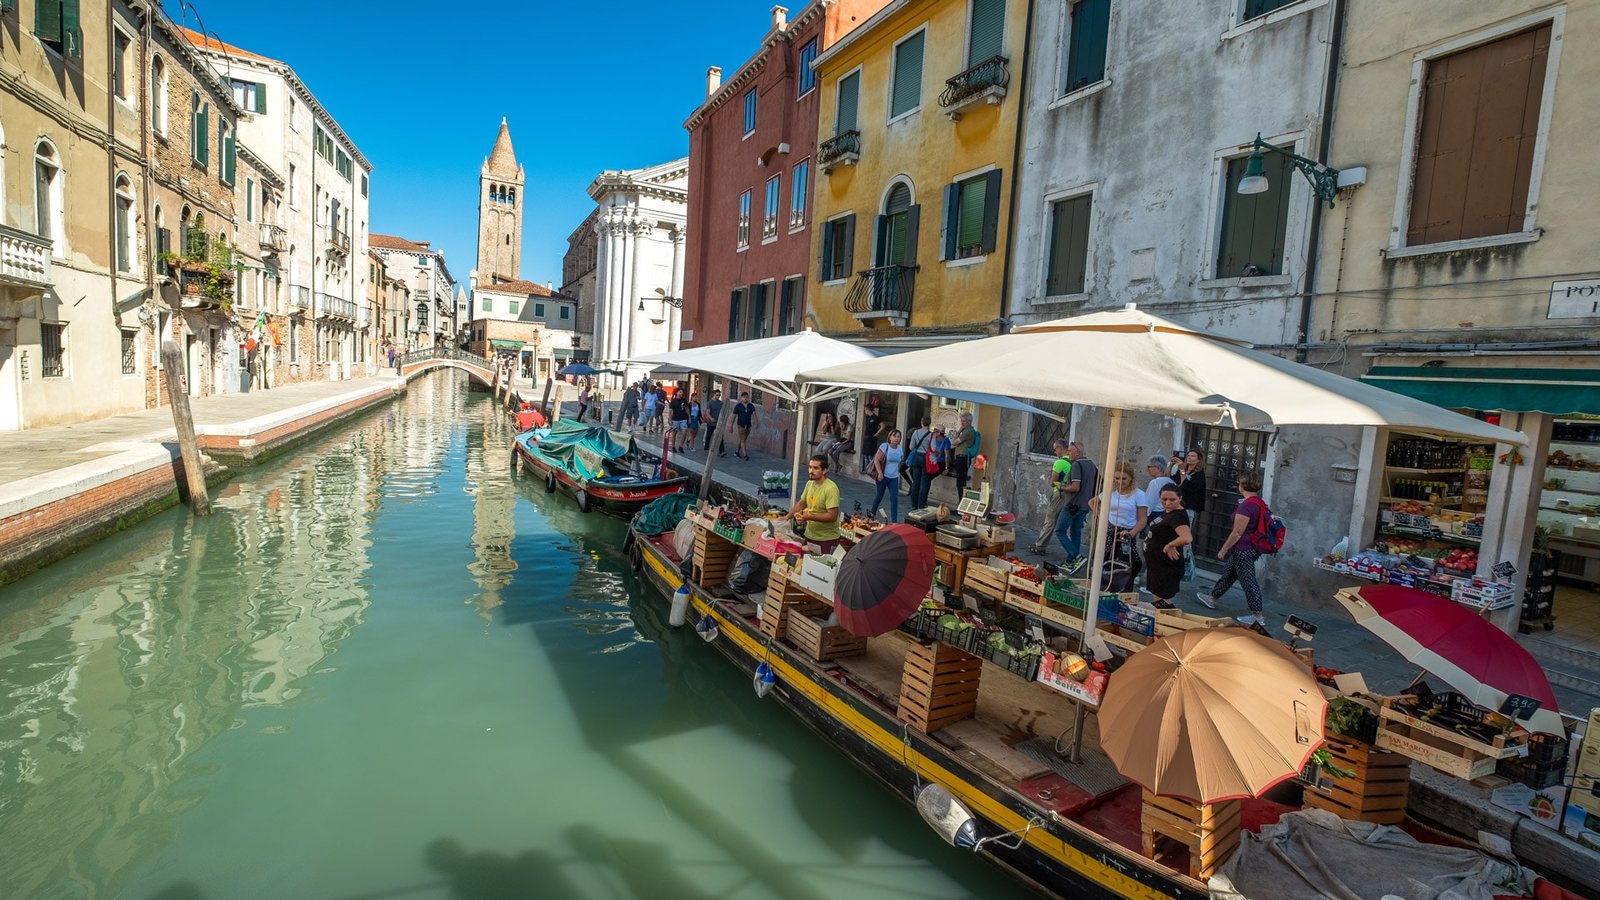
{"x": 818, "y": 509}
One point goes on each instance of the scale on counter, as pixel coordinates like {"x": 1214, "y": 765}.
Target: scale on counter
{"x": 975, "y": 503}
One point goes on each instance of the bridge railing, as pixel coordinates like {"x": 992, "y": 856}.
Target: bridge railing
{"x": 429, "y": 353}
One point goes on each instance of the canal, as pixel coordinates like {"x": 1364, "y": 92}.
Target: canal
{"x": 386, "y": 667}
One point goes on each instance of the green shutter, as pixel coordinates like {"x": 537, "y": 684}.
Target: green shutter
{"x": 952, "y": 216}
{"x": 1254, "y": 226}
{"x": 1069, "y": 246}
{"x": 47, "y": 20}
{"x": 969, "y": 224}
{"x": 991, "y": 211}
{"x": 249, "y": 199}
{"x": 71, "y": 32}
{"x": 988, "y": 30}
{"x": 1086, "y": 45}
{"x": 848, "y": 241}
{"x": 907, "y": 93}
{"x": 849, "y": 100}
{"x": 825, "y": 258}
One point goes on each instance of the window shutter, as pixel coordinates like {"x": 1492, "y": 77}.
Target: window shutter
{"x": 950, "y": 224}
{"x": 988, "y": 30}
{"x": 825, "y": 259}
{"x": 913, "y": 215}
{"x": 1254, "y": 226}
{"x": 1086, "y": 52}
{"x": 249, "y": 199}
{"x": 203, "y": 129}
{"x": 47, "y": 20}
{"x": 974, "y": 193}
{"x": 849, "y": 243}
{"x": 733, "y": 315}
{"x": 1069, "y": 246}
{"x": 907, "y": 94}
{"x": 991, "y": 210}
{"x": 71, "y": 32}
{"x": 849, "y": 98}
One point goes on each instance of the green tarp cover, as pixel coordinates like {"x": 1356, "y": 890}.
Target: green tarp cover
{"x": 1558, "y": 392}
{"x": 581, "y": 450}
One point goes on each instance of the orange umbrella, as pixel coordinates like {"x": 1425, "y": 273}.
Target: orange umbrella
{"x": 1212, "y": 714}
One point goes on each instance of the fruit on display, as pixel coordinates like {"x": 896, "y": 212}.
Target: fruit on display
{"x": 1073, "y": 666}
{"x": 1460, "y": 560}
{"x": 1411, "y": 508}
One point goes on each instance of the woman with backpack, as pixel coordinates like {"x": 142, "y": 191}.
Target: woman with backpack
{"x": 1245, "y": 544}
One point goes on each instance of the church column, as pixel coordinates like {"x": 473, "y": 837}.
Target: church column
{"x": 625, "y": 287}
{"x": 602, "y": 228}
{"x": 616, "y": 254}
{"x": 675, "y": 313}
{"x": 641, "y": 239}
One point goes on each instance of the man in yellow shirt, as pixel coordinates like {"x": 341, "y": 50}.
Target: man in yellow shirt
{"x": 818, "y": 509}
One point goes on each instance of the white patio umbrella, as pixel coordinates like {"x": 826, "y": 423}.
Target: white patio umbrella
{"x": 1128, "y": 360}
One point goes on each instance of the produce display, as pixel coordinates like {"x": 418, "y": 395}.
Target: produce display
{"x": 1460, "y": 560}
{"x": 1452, "y": 712}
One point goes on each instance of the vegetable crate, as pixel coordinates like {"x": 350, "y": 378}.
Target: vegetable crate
{"x": 938, "y": 686}
{"x": 1210, "y": 831}
{"x": 986, "y": 581}
{"x": 713, "y": 556}
{"x": 1545, "y": 764}
{"x": 1443, "y": 743}
{"x": 1375, "y": 791}
{"x": 822, "y": 642}
{"x": 1024, "y": 589}
{"x": 732, "y": 534}
{"x": 1008, "y": 654}
{"x": 785, "y": 600}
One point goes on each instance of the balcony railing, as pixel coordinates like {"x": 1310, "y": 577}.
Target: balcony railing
{"x": 882, "y": 292}
{"x": 843, "y": 149}
{"x": 339, "y": 241}
{"x": 329, "y": 306}
{"x": 24, "y": 258}
{"x": 273, "y": 239}
{"x": 984, "y": 82}
{"x": 300, "y": 296}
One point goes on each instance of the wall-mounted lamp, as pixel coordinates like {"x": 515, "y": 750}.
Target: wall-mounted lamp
{"x": 1324, "y": 179}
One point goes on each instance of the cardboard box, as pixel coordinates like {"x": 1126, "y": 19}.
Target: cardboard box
{"x": 817, "y": 573}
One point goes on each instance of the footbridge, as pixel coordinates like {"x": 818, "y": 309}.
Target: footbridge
{"x": 417, "y": 362}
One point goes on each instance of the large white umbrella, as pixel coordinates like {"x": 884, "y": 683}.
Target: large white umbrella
{"x": 1129, "y": 360}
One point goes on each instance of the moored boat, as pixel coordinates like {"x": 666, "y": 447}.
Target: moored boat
{"x": 598, "y": 468}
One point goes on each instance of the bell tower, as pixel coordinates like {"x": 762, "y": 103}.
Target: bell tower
{"x": 500, "y": 200}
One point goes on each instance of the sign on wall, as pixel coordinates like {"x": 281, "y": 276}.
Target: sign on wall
{"x": 1575, "y": 299}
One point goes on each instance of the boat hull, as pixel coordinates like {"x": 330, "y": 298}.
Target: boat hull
{"x": 617, "y": 500}
{"x": 1056, "y": 859}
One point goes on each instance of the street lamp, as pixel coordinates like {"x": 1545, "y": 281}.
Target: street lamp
{"x": 1324, "y": 179}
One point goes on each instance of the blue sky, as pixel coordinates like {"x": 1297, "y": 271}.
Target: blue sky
{"x": 604, "y": 84}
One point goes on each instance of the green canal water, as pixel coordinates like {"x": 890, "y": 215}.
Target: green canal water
{"x": 386, "y": 667}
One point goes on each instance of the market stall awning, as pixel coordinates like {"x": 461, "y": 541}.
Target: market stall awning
{"x": 1560, "y": 392}
{"x": 498, "y": 344}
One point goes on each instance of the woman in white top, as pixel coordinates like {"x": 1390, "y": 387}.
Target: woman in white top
{"x": 1124, "y": 519}
{"x": 886, "y": 469}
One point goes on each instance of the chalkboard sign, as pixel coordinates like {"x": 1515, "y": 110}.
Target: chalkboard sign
{"x": 1301, "y": 628}
{"x": 1503, "y": 570}
{"x": 1519, "y": 707}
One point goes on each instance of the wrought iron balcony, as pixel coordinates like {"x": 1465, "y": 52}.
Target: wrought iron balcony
{"x": 24, "y": 259}
{"x": 273, "y": 239}
{"x": 882, "y": 292}
{"x": 300, "y": 296}
{"x": 331, "y": 307}
{"x": 985, "y": 82}
{"x": 338, "y": 241}
{"x": 843, "y": 149}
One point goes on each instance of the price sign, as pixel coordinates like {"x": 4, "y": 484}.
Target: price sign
{"x": 1503, "y": 570}
{"x": 1519, "y": 707}
{"x": 1300, "y": 628}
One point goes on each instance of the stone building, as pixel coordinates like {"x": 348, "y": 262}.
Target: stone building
{"x": 500, "y": 199}
{"x": 258, "y": 247}
{"x": 526, "y": 322}
{"x": 578, "y": 279}
{"x": 73, "y": 272}
{"x": 751, "y": 145}
{"x": 426, "y": 279}
{"x": 319, "y": 330}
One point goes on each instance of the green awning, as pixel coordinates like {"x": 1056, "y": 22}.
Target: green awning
{"x": 1558, "y": 392}
{"x": 505, "y": 345}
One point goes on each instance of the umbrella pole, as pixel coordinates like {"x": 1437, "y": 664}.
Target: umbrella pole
{"x": 802, "y": 415}
{"x": 711, "y": 453}
{"x": 1097, "y": 565}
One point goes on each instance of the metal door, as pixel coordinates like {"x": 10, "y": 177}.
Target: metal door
{"x": 1229, "y": 452}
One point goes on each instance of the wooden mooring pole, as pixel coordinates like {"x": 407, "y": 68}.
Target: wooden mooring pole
{"x": 194, "y": 473}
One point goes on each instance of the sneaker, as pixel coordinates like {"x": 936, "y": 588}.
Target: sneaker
{"x": 723, "y": 455}
{"x": 1206, "y": 598}
{"x": 1248, "y": 619}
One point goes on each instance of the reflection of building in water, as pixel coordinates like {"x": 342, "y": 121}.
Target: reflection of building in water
{"x": 494, "y": 501}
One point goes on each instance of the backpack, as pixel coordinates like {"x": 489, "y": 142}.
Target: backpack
{"x": 1270, "y": 531}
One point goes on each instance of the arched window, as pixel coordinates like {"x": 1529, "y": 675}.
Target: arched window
{"x": 183, "y": 230}
{"x": 511, "y": 196}
{"x": 48, "y": 197}
{"x": 124, "y": 223}
{"x": 158, "y": 95}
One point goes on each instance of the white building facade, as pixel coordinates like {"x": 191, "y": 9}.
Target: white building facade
{"x": 640, "y": 223}
{"x": 437, "y": 312}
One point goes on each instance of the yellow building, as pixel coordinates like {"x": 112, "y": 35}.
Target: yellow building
{"x": 918, "y": 141}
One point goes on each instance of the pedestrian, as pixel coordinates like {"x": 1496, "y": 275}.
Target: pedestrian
{"x": 818, "y": 507}
{"x": 630, "y": 407}
{"x": 917, "y": 463}
{"x": 714, "y": 423}
{"x": 938, "y": 459}
{"x": 744, "y": 419}
{"x": 964, "y": 446}
{"x": 1165, "y": 541}
{"x": 1155, "y": 470}
{"x": 649, "y": 411}
{"x": 1082, "y": 482}
{"x": 1124, "y": 519}
{"x": 583, "y": 400}
{"x": 871, "y": 425}
{"x": 885, "y": 469}
{"x": 1056, "y": 497}
{"x": 679, "y": 418}
{"x": 696, "y": 413}
{"x": 843, "y": 435}
{"x": 1189, "y": 471}
{"x": 1240, "y": 552}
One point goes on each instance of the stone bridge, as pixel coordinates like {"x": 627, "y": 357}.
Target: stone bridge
{"x": 419, "y": 361}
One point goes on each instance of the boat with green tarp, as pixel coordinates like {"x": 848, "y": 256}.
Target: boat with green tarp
{"x": 597, "y": 467}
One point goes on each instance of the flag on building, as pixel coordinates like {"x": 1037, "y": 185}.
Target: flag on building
{"x": 254, "y": 337}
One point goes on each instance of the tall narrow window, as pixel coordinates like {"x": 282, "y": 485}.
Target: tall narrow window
{"x": 797, "y": 194}
{"x": 849, "y": 101}
{"x": 1069, "y": 246}
{"x": 229, "y": 161}
{"x": 56, "y": 25}
{"x": 808, "y": 78}
{"x": 48, "y": 196}
{"x": 744, "y": 219}
{"x": 120, "y": 45}
{"x": 158, "y": 95}
{"x": 971, "y": 216}
{"x": 1477, "y": 141}
{"x": 790, "y": 298}
{"x": 200, "y": 129}
{"x": 294, "y": 186}
{"x": 750, "y": 112}
{"x": 1254, "y": 226}
{"x": 124, "y": 224}
{"x": 1088, "y": 30}
{"x": 735, "y": 314}
{"x": 249, "y": 199}
{"x": 906, "y": 89}
{"x": 760, "y": 303}
{"x": 53, "y": 349}
{"x": 987, "y": 30}
{"x": 769, "y": 218}
{"x": 838, "y": 248}
{"x": 130, "y": 353}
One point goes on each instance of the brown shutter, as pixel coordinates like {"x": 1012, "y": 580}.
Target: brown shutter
{"x": 1480, "y": 122}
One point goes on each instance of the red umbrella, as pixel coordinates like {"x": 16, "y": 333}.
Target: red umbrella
{"x": 1473, "y": 656}
{"x": 883, "y": 579}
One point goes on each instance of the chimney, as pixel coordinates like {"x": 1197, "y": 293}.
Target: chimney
{"x": 713, "y": 79}
{"x": 780, "y": 18}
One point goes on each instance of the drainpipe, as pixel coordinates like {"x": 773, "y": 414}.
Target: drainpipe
{"x": 1016, "y": 167}
{"x": 111, "y": 156}
{"x": 1308, "y": 296}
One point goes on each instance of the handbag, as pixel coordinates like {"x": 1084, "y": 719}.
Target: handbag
{"x": 931, "y": 465}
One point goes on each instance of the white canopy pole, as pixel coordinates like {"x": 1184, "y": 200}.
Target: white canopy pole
{"x": 1091, "y": 604}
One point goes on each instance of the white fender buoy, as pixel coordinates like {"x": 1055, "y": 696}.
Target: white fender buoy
{"x": 680, "y": 606}
{"x": 765, "y": 678}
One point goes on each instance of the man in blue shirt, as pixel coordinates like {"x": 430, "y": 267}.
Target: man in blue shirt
{"x": 744, "y": 419}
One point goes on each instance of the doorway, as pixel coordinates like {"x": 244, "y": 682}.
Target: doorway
{"x": 191, "y": 365}
{"x": 1229, "y": 452}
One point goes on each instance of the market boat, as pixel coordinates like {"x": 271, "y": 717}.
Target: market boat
{"x": 597, "y": 467}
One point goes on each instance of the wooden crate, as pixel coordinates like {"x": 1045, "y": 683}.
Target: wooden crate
{"x": 1024, "y": 590}
{"x": 984, "y": 581}
{"x": 1210, "y": 830}
{"x": 1173, "y": 621}
{"x": 952, "y": 568}
{"x": 784, "y": 599}
{"x": 938, "y": 686}
{"x": 713, "y": 556}
{"x": 822, "y": 642}
{"x": 1449, "y": 755}
{"x": 1378, "y": 790}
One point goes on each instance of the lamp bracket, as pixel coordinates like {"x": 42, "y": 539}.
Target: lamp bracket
{"x": 1324, "y": 178}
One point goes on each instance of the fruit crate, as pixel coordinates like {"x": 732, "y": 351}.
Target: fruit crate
{"x": 823, "y": 642}
{"x": 986, "y": 581}
{"x": 1375, "y": 791}
{"x": 1545, "y": 764}
{"x": 712, "y": 558}
{"x": 938, "y": 686}
{"x": 1210, "y": 831}
{"x": 1443, "y": 748}
{"x": 1483, "y": 595}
